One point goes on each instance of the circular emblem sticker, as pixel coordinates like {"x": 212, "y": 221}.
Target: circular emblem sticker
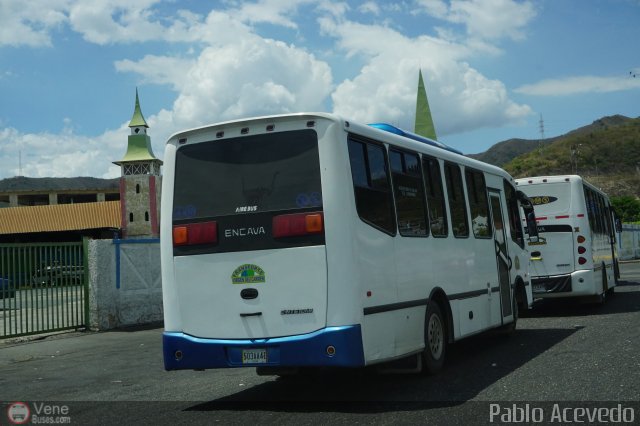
{"x": 248, "y": 274}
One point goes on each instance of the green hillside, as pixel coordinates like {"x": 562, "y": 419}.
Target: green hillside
{"x": 606, "y": 153}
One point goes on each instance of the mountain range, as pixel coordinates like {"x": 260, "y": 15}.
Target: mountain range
{"x": 605, "y": 152}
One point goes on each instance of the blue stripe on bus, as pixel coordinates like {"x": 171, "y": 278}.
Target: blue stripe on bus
{"x": 395, "y": 130}
{"x": 291, "y": 351}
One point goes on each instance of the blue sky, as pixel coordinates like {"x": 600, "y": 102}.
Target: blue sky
{"x": 69, "y": 69}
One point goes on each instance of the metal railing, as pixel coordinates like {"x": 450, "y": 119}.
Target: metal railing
{"x": 43, "y": 288}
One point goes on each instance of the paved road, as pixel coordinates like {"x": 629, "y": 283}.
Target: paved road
{"x": 560, "y": 353}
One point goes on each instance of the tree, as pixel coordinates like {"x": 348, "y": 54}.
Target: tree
{"x": 627, "y": 208}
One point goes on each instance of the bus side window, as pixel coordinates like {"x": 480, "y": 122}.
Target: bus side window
{"x": 457, "y": 205}
{"x": 371, "y": 185}
{"x": 603, "y": 216}
{"x": 591, "y": 214}
{"x": 408, "y": 192}
{"x": 435, "y": 197}
{"x": 478, "y": 203}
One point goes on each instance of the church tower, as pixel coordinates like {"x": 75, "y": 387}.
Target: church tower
{"x": 140, "y": 182}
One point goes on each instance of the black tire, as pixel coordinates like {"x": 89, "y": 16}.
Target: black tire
{"x": 435, "y": 339}
{"x": 510, "y": 328}
{"x": 602, "y": 298}
{"x": 616, "y": 271}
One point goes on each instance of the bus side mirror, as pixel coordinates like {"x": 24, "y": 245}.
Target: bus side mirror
{"x": 530, "y": 216}
{"x": 532, "y": 227}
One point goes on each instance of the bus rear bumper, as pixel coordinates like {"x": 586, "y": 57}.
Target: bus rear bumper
{"x": 576, "y": 284}
{"x": 182, "y": 351}
{"x": 543, "y": 286}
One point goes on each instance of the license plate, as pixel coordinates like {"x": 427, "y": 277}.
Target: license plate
{"x": 254, "y": 356}
{"x": 539, "y": 288}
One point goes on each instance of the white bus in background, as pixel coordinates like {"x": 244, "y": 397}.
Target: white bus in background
{"x": 305, "y": 240}
{"x": 576, "y": 254}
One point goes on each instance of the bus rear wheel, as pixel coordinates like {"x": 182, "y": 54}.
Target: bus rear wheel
{"x": 435, "y": 339}
{"x": 602, "y": 298}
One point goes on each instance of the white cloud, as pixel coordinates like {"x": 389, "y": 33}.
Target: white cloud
{"x": 99, "y": 21}
{"x": 238, "y": 74}
{"x": 484, "y": 19}
{"x": 74, "y": 155}
{"x": 127, "y": 21}
{"x": 369, "y": 7}
{"x": 159, "y": 69}
{"x": 276, "y": 12}
{"x": 29, "y": 23}
{"x": 579, "y": 85}
{"x": 461, "y": 99}
{"x": 251, "y": 77}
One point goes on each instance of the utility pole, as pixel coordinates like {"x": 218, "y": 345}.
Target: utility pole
{"x": 575, "y": 151}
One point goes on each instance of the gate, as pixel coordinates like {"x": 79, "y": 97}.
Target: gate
{"x": 43, "y": 288}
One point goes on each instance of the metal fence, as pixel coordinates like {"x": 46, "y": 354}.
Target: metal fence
{"x": 629, "y": 242}
{"x": 43, "y": 288}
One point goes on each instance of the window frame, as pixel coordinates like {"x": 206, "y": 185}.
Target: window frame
{"x": 451, "y": 196}
{"x": 439, "y": 200}
{"x": 470, "y": 175}
{"x": 366, "y": 142}
{"x": 418, "y": 177}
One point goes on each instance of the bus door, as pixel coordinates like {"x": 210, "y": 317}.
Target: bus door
{"x": 502, "y": 255}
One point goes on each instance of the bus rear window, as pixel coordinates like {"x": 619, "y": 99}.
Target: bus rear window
{"x": 260, "y": 173}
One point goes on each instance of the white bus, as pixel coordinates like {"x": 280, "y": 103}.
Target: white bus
{"x": 305, "y": 240}
{"x": 576, "y": 254}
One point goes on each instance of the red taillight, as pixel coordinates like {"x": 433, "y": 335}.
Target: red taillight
{"x": 195, "y": 233}
{"x": 292, "y": 225}
{"x": 582, "y": 260}
{"x": 581, "y": 239}
{"x": 581, "y": 250}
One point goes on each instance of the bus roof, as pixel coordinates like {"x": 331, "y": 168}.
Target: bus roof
{"x": 391, "y": 134}
{"x": 398, "y": 131}
{"x": 548, "y": 179}
{"x": 539, "y": 180}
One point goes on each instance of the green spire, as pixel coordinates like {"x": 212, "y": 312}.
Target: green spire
{"x": 139, "y": 143}
{"x": 424, "y": 123}
{"x": 138, "y": 119}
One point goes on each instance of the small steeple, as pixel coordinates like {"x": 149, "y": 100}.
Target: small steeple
{"x": 138, "y": 119}
{"x": 424, "y": 123}
{"x": 139, "y": 149}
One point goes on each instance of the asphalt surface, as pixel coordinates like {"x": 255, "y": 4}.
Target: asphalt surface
{"x": 564, "y": 354}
